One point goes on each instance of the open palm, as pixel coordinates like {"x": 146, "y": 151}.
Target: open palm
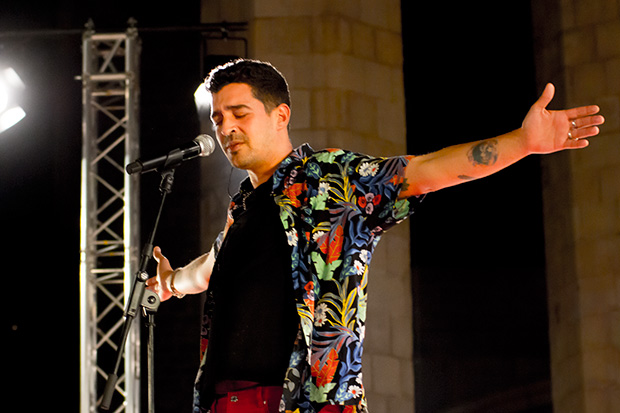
{"x": 548, "y": 131}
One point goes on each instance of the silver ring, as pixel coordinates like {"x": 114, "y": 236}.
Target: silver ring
{"x": 574, "y": 124}
{"x": 570, "y": 137}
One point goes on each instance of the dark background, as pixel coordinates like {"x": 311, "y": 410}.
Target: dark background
{"x": 480, "y": 316}
{"x": 478, "y": 257}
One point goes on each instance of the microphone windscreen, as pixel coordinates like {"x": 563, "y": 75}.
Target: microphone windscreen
{"x": 207, "y": 144}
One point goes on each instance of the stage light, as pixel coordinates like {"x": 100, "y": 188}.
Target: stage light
{"x": 202, "y": 98}
{"x": 11, "y": 86}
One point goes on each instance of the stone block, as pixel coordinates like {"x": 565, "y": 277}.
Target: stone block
{"x": 592, "y": 219}
{"x": 301, "y": 114}
{"x": 377, "y": 80}
{"x": 596, "y": 332}
{"x": 389, "y": 48}
{"x": 602, "y": 154}
{"x": 285, "y": 8}
{"x": 398, "y": 404}
{"x": 378, "y": 403}
{"x": 402, "y": 337}
{"x": 287, "y": 36}
{"x": 391, "y": 123}
{"x": 378, "y": 328}
{"x": 612, "y": 72}
{"x": 608, "y": 40}
{"x": 389, "y": 369}
{"x": 362, "y": 114}
{"x": 331, "y": 34}
{"x": 610, "y": 108}
{"x": 579, "y": 46}
{"x": 345, "y": 73}
{"x": 587, "y": 83}
{"x": 597, "y": 298}
{"x": 330, "y": 109}
{"x": 363, "y": 40}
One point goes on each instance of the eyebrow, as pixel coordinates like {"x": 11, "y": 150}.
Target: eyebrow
{"x": 231, "y": 107}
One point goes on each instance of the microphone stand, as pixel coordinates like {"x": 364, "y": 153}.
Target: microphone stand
{"x": 140, "y": 296}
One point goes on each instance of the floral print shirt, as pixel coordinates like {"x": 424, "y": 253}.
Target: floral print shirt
{"x": 334, "y": 206}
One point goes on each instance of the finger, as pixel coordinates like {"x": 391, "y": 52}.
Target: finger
{"x": 590, "y": 121}
{"x": 584, "y": 111}
{"x": 546, "y": 96}
{"x": 577, "y": 143}
{"x": 586, "y": 133}
{"x": 586, "y": 122}
{"x": 578, "y": 138}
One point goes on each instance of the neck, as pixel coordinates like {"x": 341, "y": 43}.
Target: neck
{"x": 263, "y": 173}
{"x": 260, "y": 178}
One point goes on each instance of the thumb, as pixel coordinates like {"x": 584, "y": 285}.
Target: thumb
{"x": 157, "y": 254}
{"x": 546, "y": 96}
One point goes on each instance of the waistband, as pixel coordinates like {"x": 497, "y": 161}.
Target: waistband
{"x": 229, "y": 386}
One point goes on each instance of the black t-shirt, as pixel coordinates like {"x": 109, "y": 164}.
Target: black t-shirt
{"x": 255, "y": 319}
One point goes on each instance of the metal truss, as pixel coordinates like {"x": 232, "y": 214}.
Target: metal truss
{"x": 109, "y": 219}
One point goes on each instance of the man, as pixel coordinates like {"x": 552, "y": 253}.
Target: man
{"x": 286, "y": 279}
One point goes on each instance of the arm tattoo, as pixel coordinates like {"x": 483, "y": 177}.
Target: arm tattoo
{"x": 483, "y": 153}
{"x": 466, "y": 177}
{"x": 405, "y": 185}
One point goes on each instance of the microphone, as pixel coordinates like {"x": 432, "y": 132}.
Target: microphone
{"x": 203, "y": 145}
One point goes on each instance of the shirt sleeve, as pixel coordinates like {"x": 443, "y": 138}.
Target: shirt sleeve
{"x": 377, "y": 183}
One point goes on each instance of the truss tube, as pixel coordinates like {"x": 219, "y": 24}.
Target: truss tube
{"x": 131, "y": 216}
{"x": 109, "y": 214}
{"x": 88, "y": 337}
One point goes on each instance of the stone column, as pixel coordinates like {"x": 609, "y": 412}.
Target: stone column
{"x": 578, "y": 48}
{"x": 343, "y": 61}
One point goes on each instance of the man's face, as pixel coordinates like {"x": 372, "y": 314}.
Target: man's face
{"x": 244, "y": 129}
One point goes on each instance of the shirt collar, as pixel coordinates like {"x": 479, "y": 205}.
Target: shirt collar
{"x": 294, "y": 158}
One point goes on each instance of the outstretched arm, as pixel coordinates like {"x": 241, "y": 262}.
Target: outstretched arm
{"x": 543, "y": 131}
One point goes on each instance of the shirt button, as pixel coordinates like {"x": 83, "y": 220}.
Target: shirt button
{"x": 234, "y": 399}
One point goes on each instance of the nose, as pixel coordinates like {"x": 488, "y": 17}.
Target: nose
{"x": 228, "y": 126}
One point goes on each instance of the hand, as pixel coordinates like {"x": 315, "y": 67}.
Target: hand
{"x": 551, "y": 131}
{"x": 159, "y": 284}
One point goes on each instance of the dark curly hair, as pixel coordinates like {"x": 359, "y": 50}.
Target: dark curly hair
{"x": 267, "y": 83}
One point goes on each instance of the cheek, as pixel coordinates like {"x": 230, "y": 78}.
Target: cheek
{"x": 220, "y": 139}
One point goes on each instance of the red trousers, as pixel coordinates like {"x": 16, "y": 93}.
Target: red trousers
{"x": 260, "y": 399}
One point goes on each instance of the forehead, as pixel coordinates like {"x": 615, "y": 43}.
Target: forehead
{"x": 234, "y": 94}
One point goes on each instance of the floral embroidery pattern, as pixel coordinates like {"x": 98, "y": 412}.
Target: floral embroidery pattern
{"x": 334, "y": 206}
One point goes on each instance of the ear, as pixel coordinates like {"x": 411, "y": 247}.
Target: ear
{"x": 283, "y": 115}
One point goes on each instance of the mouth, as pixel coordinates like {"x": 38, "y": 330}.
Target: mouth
{"x": 233, "y": 143}
{"x": 233, "y": 146}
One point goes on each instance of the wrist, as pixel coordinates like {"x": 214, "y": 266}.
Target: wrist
{"x": 521, "y": 146}
{"x": 173, "y": 290}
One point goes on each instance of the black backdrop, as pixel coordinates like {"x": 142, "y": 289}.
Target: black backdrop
{"x": 480, "y": 316}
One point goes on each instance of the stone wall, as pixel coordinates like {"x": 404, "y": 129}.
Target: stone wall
{"x": 578, "y": 48}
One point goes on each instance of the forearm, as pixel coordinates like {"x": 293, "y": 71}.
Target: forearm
{"x": 462, "y": 163}
{"x": 194, "y": 277}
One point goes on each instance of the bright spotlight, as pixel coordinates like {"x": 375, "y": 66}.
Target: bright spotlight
{"x": 202, "y": 98}
{"x": 11, "y": 86}
{"x": 10, "y": 117}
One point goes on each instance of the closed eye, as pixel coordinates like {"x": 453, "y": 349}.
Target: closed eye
{"x": 216, "y": 118}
